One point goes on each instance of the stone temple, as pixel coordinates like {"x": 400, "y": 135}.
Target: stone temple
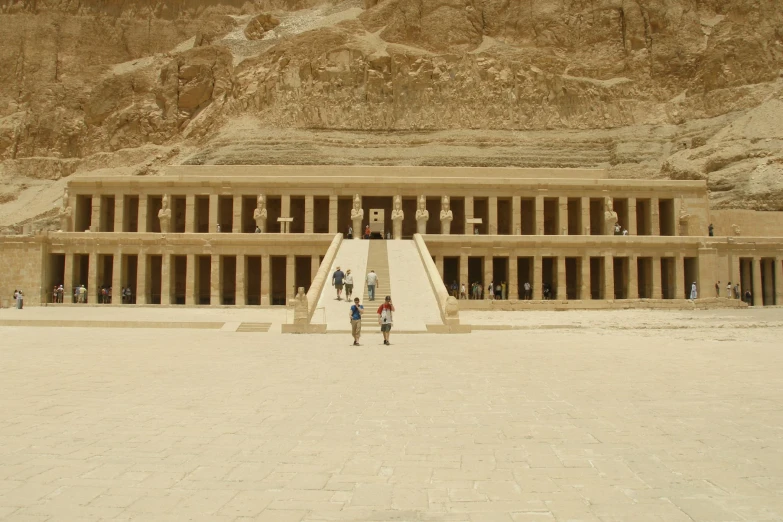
{"x": 254, "y": 235}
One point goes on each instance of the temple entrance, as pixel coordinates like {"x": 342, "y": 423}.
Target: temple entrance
{"x": 551, "y": 216}
{"x": 297, "y": 212}
{"x": 386, "y": 204}
{"x": 225, "y": 213}
{"x": 249, "y": 204}
{"x": 82, "y": 215}
{"x": 277, "y": 275}
{"x": 228, "y": 280}
{"x": 155, "y": 273}
{"x": 56, "y": 275}
{"x": 451, "y": 273}
{"x": 573, "y": 277}
{"x": 476, "y": 272}
{"x": 549, "y": 277}
{"x": 202, "y": 218}
{"x": 504, "y": 217}
{"x": 525, "y": 275}
{"x": 596, "y": 216}
{"x": 528, "y": 210}
{"x": 575, "y": 217}
{"x": 253, "y": 280}
{"x": 691, "y": 274}
{"x": 81, "y": 270}
{"x": 178, "y": 205}
{"x": 302, "y": 272}
{"x": 768, "y": 281}
{"x": 344, "y": 206}
{"x": 458, "y": 210}
{"x": 621, "y": 277}
{"x": 203, "y": 283}
{"x": 644, "y": 273}
{"x": 643, "y": 217}
{"x": 667, "y": 278}
{"x": 666, "y": 216}
{"x": 597, "y": 275}
{"x": 274, "y": 208}
{"x": 107, "y": 214}
{"x": 500, "y": 274}
{"x": 481, "y": 211}
{"x": 621, "y": 207}
{"x": 154, "y": 204}
{"x": 105, "y": 273}
{"x": 179, "y": 267}
{"x": 130, "y": 214}
{"x": 128, "y": 279}
{"x": 321, "y": 215}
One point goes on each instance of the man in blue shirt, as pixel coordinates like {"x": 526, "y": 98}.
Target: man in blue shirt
{"x": 356, "y": 320}
{"x": 337, "y": 282}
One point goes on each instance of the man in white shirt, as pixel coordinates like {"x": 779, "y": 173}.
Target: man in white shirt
{"x": 372, "y": 284}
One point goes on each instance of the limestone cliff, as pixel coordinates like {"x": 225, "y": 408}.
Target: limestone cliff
{"x": 651, "y": 88}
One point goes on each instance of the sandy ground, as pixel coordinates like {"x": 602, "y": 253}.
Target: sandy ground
{"x": 589, "y": 416}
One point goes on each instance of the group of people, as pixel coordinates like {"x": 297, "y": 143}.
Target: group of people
{"x": 19, "y": 298}
{"x": 342, "y": 280}
{"x": 80, "y": 294}
{"x": 620, "y": 231}
{"x": 734, "y": 292}
{"x": 367, "y": 233}
{"x": 494, "y": 291}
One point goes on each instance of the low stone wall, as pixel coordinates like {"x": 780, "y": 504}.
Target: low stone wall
{"x": 751, "y": 223}
{"x": 317, "y": 285}
{"x": 449, "y": 312}
{"x": 618, "y": 304}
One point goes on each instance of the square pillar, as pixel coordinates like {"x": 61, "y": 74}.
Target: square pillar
{"x": 657, "y": 289}
{"x": 562, "y": 288}
{"x": 290, "y": 280}
{"x": 119, "y": 215}
{"x": 92, "y": 278}
{"x": 95, "y": 218}
{"x": 142, "y": 279}
{"x": 142, "y": 214}
{"x": 655, "y": 221}
{"x": 213, "y": 216}
{"x": 463, "y": 270}
{"x": 190, "y": 213}
{"x": 241, "y": 287}
{"x": 333, "y": 215}
{"x": 116, "y": 278}
{"x": 584, "y": 291}
{"x": 707, "y": 272}
{"x": 285, "y": 211}
{"x": 309, "y": 213}
{"x": 778, "y": 281}
{"x": 586, "y": 220}
{"x": 493, "y": 215}
{"x": 758, "y": 289}
{"x": 165, "y": 279}
{"x": 215, "y": 281}
{"x": 633, "y": 277}
{"x": 539, "y": 227}
{"x": 488, "y": 276}
{"x": 562, "y": 218}
{"x": 439, "y": 265}
{"x": 679, "y": 277}
{"x": 609, "y": 278}
{"x": 516, "y": 215}
{"x": 265, "y": 265}
{"x": 236, "y": 225}
{"x": 513, "y": 278}
{"x": 632, "y": 229}
{"x": 68, "y": 279}
{"x": 538, "y": 293}
{"x": 468, "y": 214}
{"x": 190, "y": 274}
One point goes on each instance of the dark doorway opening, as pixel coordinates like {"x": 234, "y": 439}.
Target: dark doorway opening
{"x": 321, "y": 215}
{"x": 451, "y": 274}
{"x": 253, "y": 280}
{"x": 667, "y": 278}
{"x": 504, "y": 216}
{"x": 298, "y": 213}
{"x": 644, "y": 273}
{"x": 179, "y": 265}
{"x": 155, "y": 278}
{"x": 551, "y": 216}
{"x": 573, "y": 276}
{"x": 549, "y": 277}
{"x": 278, "y": 280}
{"x": 481, "y": 211}
{"x": 621, "y": 277}
{"x": 302, "y": 272}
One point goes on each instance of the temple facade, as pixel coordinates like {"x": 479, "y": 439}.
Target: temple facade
{"x": 252, "y": 235}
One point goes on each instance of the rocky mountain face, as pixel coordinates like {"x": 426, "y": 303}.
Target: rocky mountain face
{"x": 687, "y": 89}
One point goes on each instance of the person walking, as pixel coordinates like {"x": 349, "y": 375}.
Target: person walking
{"x": 19, "y": 300}
{"x": 728, "y": 290}
{"x": 337, "y": 282}
{"x": 355, "y": 315}
{"x": 348, "y": 284}
{"x": 717, "y": 289}
{"x": 527, "y": 290}
{"x": 694, "y": 292}
{"x": 372, "y": 284}
{"x": 385, "y": 318}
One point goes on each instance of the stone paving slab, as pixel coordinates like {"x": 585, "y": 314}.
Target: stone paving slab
{"x": 595, "y": 424}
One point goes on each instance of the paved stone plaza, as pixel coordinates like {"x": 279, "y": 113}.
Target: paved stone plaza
{"x": 610, "y": 416}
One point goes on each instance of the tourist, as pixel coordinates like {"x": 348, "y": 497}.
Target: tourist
{"x": 82, "y": 294}
{"x": 480, "y": 290}
{"x": 108, "y": 295}
{"x": 356, "y": 320}
{"x": 372, "y": 284}
{"x": 694, "y": 293}
{"x": 348, "y": 284}
{"x": 490, "y": 291}
{"x": 19, "y": 300}
{"x": 258, "y": 230}
{"x": 475, "y": 231}
{"x": 218, "y": 227}
{"x": 737, "y": 293}
{"x": 528, "y": 290}
{"x": 129, "y": 295}
{"x": 717, "y": 289}
{"x": 454, "y": 289}
{"x": 748, "y": 297}
{"x": 337, "y": 282}
{"x": 463, "y": 294}
{"x": 367, "y": 232}
{"x": 54, "y": 294}
{"x": 617, "y": 229}
{"x": 711, "y": 230}
{"x": 503, "y": 290}
{"x": 625, "y": 232}
{"x": 16, "y": 294}
{"x": 728, "y": 290}
{"x": 60, "y": 291}
{"x": 385, "y": 318}
{"x": 498, "y": 291}
{"x": 349, "y": 235}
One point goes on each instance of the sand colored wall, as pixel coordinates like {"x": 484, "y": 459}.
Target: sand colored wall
{"x": 752, "y": 223}
{"x": 21, "y": 267}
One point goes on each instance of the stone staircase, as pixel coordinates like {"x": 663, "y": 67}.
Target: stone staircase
{"x": 377, "y": 260}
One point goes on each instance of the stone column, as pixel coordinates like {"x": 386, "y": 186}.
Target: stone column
{"x": 537, "y": 278}
{"x": 290, "y": 278}
{"x": 309, "y": 214}
{"x": 285, "y": 211}
{"x": 609, "y": 278}
{"x": 539, "y": 227}
{"x": 779, "y": 281}
{"x": 468, "y": 214}
{"x": 190, "y": 277}
{"x": 562, "y": 287}
{"x": 633, "y": 277}
{"x": 116, "y": 277}
{"x": 655, "y": 221}
{"x": 439, "y": 265}
{"x": 266, "y": 264}
{"x": 215, "y": 281}
{"x": 562, "y": 218}
{"x": 141, "y": 278}
{"x": 333, "y": 215}
{"x": 516, "y": 215}
{"x": 241, "y": 284}
{"x": 213, "y": 215}
{"x": 492, "y": 205}
{"x": 758, "y": 289}
{"x": 68, "y": 279}
{"x": 95, "y": 217}
{"x": 657, "y": 288}
{"x": 92, "y": 279}
{"x": 679, "y": 277}
{"x": 585, "y": 202}
{"x": 165, "y": 279}
{"x": 632, "y": 228}
{"x": 236, "y": 224}
{"x": 463, "y": 270}
{"x": 768, "y": 280}
{"x": 584, "y": 291}
{"x": 190, "y": 213}
{"x": 119, "y": 214}
{"x": 143, "y": 206}
{"x": 513, "y": 278}
{"x": 488, "y": 276}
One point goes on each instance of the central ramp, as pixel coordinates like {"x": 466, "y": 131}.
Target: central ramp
{"x": 351, "y": 255}
{"x": 414, "y": 301}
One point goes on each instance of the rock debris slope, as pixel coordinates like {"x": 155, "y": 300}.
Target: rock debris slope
{"x": 684, "y": 89}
